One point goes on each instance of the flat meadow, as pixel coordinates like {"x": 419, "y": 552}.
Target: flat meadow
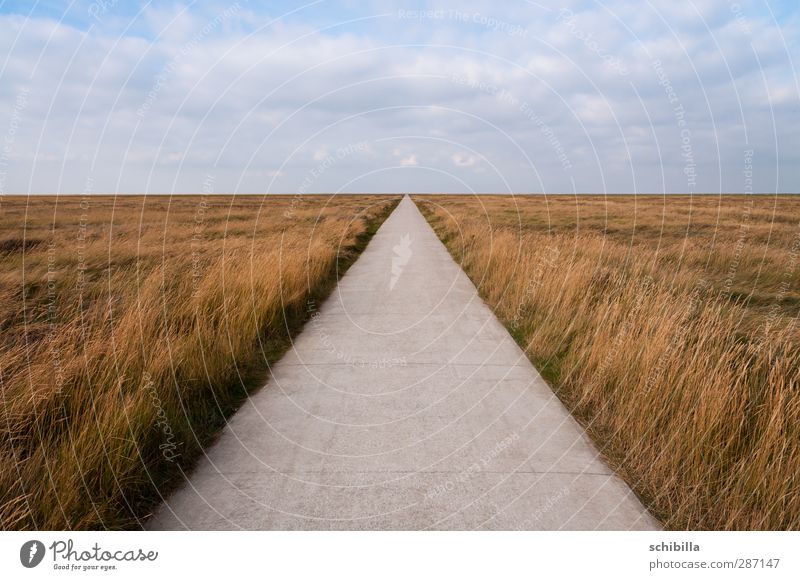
{"x": 669, "y": 327}
{"x": 132, "y": 326}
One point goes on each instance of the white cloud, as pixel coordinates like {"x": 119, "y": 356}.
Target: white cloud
{"x": 409, "y": 161}
{"x": 463, "y": 159}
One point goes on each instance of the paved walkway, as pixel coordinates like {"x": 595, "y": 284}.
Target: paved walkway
{"x": 404, "y": 404}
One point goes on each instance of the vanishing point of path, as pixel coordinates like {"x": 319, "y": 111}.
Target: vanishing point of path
{"x": 403, "y": 404}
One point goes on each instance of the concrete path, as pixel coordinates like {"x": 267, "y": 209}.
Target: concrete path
{"x": 404, "y": 404}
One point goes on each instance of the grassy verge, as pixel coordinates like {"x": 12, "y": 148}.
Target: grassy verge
{"x": 667, "y": 326}
{"x": 132, "y": 327}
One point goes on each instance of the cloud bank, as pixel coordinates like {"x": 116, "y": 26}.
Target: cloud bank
{"x": 375, "y": 96}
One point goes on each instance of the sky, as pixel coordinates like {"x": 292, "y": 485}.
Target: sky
{"x": 115, "y": 96}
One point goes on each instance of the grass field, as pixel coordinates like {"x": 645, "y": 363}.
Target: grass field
{"x": 668, "y": 325}
{"x": 132, "y": 326}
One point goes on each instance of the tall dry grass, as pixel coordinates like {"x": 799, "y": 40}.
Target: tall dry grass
{"x": 668, "y": 326}
{"x": 132, "y": 326}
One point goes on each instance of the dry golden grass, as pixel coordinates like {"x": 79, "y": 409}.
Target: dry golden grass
{"x": 131, "y": 327}
{"x": 667, "y": 325}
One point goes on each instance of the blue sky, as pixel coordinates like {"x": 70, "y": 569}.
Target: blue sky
{"x": 288, "y": 97}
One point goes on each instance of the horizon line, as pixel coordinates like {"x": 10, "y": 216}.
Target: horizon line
{"x": 461, "y": 193}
